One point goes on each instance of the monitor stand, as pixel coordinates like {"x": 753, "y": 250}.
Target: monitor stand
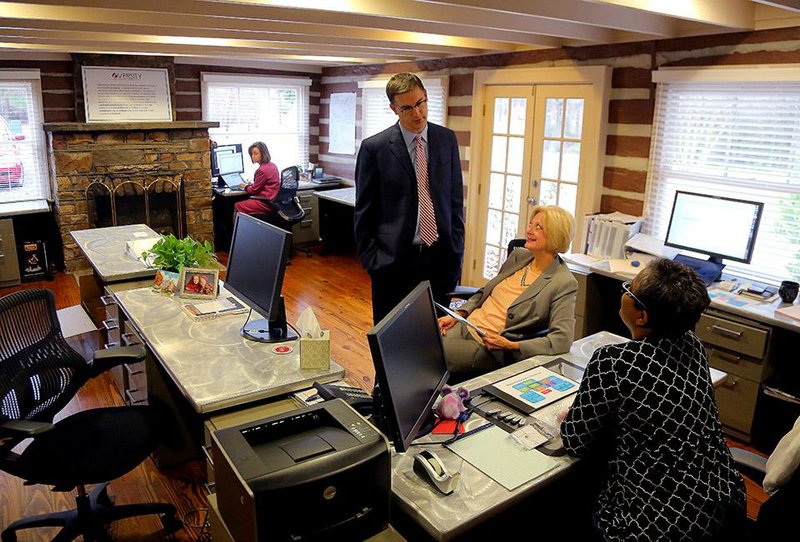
{"x": 709, "y": 270}
{"x": 273, "y": 330}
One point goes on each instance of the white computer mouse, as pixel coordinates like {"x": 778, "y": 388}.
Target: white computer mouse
{"x": 430, "y": 468}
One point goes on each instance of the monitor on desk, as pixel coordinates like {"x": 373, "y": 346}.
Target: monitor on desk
{"x": 410, "y": 369}
{"x": 227, "y": 161}
{"x": 717, "y": 226}
{"x": 256, "y": 264}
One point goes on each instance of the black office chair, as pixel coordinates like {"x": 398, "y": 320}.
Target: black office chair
{"x": 776, "y": 515}
{"x": 286, "y": 207}
{"x": 465, "y": 292}
{"x": 39, "y": 374}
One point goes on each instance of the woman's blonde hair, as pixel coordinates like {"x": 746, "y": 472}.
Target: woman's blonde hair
{"x": 558, "y": 224}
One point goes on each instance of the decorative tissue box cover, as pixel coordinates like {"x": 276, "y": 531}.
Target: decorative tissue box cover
{"x": 316, "y": 353}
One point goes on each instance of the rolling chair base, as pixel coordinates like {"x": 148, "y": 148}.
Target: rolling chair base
{"x": 94, "y": 511}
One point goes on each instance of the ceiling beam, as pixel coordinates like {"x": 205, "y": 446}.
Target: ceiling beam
{"x": 730, "y": 14}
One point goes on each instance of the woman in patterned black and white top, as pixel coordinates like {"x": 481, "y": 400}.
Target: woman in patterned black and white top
{"x": 648, "y": 405}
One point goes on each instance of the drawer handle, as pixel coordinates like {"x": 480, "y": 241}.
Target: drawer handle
{"x": 727, "y": 332}
{"x": 111, "y": 345}
{"x": 131, "y": 371}
{"x": 729, "y": 383}
{"x": 729, "y": 357}
{"x": 211, "y": 487}
{"x": 107, "y": 300}
{"x": 110, "y": 324}
{"x": 130, "y": 339}
{"x": 305, "y": 223}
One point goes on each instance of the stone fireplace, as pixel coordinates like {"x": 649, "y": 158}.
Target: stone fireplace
{"x": 112, "y": 174}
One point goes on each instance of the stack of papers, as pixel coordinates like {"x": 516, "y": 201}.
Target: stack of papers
{"x": 214, "y": 309}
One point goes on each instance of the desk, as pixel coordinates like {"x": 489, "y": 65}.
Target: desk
{"x": 306, "y": 231}
{"x": 478, "y": 497}
{"x": 336, "y": 218}
{"x": 107, "y": 252}
{"x": 195, "y": 369}
{"x": 751, "y": 343}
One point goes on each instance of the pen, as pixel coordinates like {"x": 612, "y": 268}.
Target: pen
{"x": 473, "y": 431}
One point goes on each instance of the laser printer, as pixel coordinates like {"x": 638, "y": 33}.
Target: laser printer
{"x": 319, "y": 472}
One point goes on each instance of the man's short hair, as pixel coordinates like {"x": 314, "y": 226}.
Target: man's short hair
{"x": 400, "y": 83}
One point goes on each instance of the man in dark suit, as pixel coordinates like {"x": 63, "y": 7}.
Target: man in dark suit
{"x": 409, "y": 214}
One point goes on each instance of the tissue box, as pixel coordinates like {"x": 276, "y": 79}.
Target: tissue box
{"x": 316, "y": 353}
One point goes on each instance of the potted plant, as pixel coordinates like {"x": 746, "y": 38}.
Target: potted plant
{"x": 171, "y": 254}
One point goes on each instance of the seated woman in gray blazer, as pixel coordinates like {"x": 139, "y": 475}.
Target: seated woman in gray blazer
{"x": 527, "y": 309}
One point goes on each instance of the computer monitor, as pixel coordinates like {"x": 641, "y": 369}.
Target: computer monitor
{"x": 714, "y": 225}
{"x": 410, "y": 367}
{"x": 227, "y": 159}
{"x": 256, "y": 263}
{"x": 319, "y": 172}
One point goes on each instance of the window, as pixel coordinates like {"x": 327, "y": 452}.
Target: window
{"x": 269, "y": 109}
{"x": 734, "y": 133}
{"x": 23, "y": 171}
{"x": 376, "y": 115}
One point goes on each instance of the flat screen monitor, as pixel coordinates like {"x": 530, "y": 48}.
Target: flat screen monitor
{"x": 227, "y": 159}
{"x": 714, "y": 225}
{"x": 409, "y": 363}
{"x": 256, "y": 264}
{"x": 319, "y": 172}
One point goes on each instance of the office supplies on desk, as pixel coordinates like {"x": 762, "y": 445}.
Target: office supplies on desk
{"x": 625, "y": 267}
{"x": 792, "y": 311}
{"x": 430, "y": 468}
{"x": 208, "y": 310}
{"x": 605, "y": 235}
{"x": 532, "y": 389}
{"x": 647, "y": 244}
{"x": 494, "y": 452}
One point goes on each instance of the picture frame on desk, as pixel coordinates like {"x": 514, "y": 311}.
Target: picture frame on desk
{"x": 196, "y": 283}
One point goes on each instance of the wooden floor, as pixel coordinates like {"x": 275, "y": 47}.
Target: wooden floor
{"x": 335, "y": 286}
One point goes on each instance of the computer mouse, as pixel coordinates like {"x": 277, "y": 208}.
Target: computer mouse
{"x": 635, "y": 263}
{"x": 430, "y": 468}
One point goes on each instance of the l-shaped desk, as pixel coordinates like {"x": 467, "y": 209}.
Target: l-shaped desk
{"x": 744, "y": 338}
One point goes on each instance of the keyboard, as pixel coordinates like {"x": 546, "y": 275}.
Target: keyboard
{"x": 233, "y": 180}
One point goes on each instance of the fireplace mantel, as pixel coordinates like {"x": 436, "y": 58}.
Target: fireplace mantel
{"x": 67, "y": 127}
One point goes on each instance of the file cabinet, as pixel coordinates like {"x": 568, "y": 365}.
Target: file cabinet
{"x": 9, "y": 265}
{"x": 307, "y": 230}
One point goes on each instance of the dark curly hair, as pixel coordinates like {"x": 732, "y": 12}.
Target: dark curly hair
{"x": 674, "y": 295}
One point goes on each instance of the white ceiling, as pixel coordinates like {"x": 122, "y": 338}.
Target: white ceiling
{"x": 319, "y": 33}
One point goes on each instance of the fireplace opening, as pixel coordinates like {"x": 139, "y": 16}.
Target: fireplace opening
{"x": 155, "y": 202}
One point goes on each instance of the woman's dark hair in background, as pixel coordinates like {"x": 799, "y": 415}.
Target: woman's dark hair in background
{"x": 265, "y": 157}
{"x": 674, "y": 295}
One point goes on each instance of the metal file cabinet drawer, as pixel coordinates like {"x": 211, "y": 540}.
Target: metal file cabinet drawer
{"x": 733, "y": 363}
{"x": 730, "y": 335}
{"x": 736, "y": 401}
{"x": 9, "y": 265}
{"x": 135, "y": 375}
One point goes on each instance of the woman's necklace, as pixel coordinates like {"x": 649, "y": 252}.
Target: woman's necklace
{"x": 524, "y": 279}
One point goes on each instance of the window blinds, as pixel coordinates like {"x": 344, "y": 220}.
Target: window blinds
{"x": 250, "y": 109}
{"x": 376, "y": 115}
{"x": 23, "y": 171}
{"x": 737, "y": 139}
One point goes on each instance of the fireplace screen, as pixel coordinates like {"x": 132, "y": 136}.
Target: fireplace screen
{"x": 157, "y": 203}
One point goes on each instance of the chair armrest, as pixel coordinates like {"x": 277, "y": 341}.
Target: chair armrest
{"x": 462, "y": 292}
{"x": 111, "y": 357}
{"x": 750, "y": 464}
{"x": 23, "y": 428}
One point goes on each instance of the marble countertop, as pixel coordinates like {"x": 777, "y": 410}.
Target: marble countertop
{"x": 107, "y": 252}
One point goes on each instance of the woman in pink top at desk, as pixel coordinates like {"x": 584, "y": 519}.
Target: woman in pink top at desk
{"x": 266, "y": 182}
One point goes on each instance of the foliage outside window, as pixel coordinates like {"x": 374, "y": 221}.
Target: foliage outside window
{"x": 376, "y": 115}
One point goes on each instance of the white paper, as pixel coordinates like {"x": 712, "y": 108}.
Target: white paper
{"x": 307, "y": 325}
{"x": 135, "y": 248}
{"x": 641, "y": 242}
{"x": 126, "y": 94}
{"x": 342, "y": 128}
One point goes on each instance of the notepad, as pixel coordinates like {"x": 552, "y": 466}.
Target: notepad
{"x": 791, "y": 311}
{"x": 494, "y": 453}
{"x": 214, "y": 309}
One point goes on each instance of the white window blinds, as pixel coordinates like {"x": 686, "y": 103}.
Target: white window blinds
{"x": 23, "y": 171}
{"x": 733, "y": 138}
{"x": 376, "y": 114}
{"x": 269, "y": 109}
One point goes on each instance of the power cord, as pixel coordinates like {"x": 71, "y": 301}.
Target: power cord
{"x": 205, "y": 534}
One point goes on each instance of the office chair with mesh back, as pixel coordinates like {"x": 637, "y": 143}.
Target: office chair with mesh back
{"x": 465, "y": 292}
{"x": 39, "y": 374}
{"x": 286, "y": 205}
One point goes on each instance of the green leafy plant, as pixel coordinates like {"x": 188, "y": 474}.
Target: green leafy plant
{"x": 174, "y": 254}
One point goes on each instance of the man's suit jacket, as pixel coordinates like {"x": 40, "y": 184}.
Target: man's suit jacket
{"x": 548, "y": 303}
{"x": 385, "y": 214}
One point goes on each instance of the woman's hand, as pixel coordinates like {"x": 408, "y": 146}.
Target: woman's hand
{"x": 493, "y": 341}
{"x": 445, "y": 323}
{"x": 242, "y": 186}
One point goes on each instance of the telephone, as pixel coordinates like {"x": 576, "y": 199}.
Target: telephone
{"x": 355, "y": 397}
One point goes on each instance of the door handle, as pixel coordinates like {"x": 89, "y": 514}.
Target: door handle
{"x": 531, "y": 201}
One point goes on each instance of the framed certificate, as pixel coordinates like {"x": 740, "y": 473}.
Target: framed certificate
{"x": 126, "y": 94}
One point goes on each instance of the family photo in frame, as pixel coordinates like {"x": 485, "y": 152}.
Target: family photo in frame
{"x": 199, "y": 283}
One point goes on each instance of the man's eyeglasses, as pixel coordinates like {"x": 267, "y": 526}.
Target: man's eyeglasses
{"x": 626, "y": 289}
{"x": 409, "y": 108}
